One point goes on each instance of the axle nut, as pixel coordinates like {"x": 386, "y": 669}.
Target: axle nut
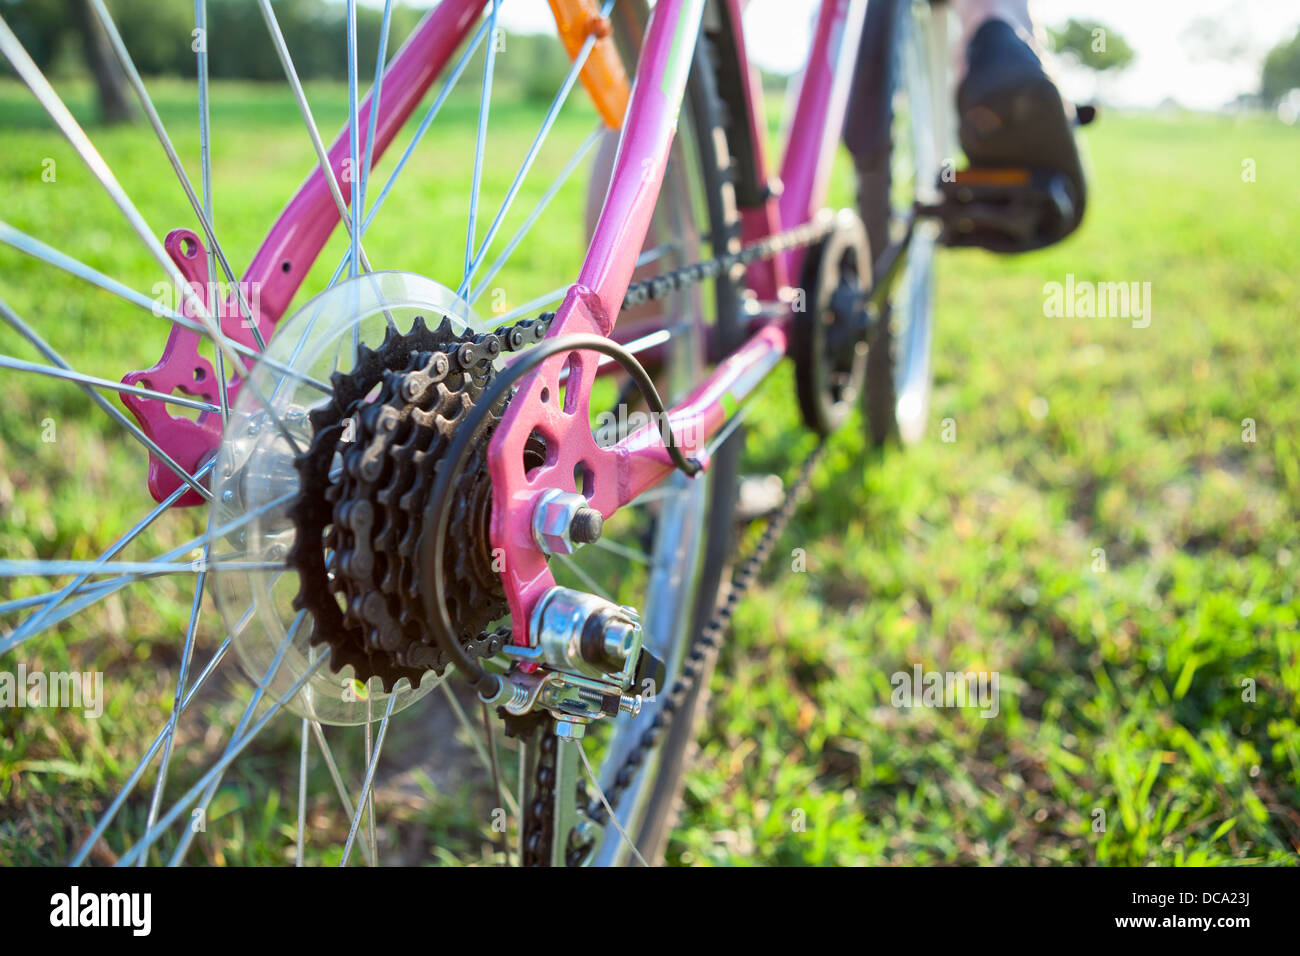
{"x": 563, "y": 521}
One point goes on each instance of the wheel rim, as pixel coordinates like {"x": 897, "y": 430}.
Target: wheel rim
{"x": 918, "y": 170}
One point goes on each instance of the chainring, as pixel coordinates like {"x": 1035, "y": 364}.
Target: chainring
{"x": 829, "y": 337}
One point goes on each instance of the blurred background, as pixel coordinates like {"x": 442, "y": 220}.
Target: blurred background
{"x": 1110, "y": 522}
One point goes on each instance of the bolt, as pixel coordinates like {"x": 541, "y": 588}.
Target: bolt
{"x": 586, "y": 526}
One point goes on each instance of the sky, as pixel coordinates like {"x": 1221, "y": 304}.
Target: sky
{"x": 1200, "y": 53}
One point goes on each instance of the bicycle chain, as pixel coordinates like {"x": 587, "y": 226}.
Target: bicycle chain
{"x": 658, "y": 286}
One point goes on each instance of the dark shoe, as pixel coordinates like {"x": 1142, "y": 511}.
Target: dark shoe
{"x": 1015, "y": 129}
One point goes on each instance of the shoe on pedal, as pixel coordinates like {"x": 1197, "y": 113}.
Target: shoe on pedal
{"x": 1025, "y": 187}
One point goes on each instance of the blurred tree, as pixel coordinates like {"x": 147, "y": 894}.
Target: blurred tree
{"x": 1281, "y": 70}
{"x": 160, "y": 39}
{"x": 110, "y": 81}
{"x": 1093, "y": 44}
{"x": 45, "y": 26}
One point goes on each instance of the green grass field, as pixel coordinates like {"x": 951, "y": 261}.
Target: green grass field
{"x": 1098, "y": 532}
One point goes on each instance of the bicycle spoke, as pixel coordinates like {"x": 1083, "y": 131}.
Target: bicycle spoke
{"x": 205, "y": 174}
{"x": 369, "y": 801}
{"x": 71, "y": 129}
{"x": 163, "y": 564}
{"x": 302, "y": 796}
{"x": 58, "y": 111}
{"x": 522, "y": 801}
{"x": 530, "y": 157}
{"x": 377, "y": 90}
{"x": 49, "y": 602}
{"x": 187, "y": 654}
{"x": 354, "y": 144}
{"x": 239, "y": 739}
{"x": 18, "y": 365}
{"x": 147, "y": 759}
{"x": 490, "y": 733}
{"x": 39, "y": 250}
{"x": 485, "y": 99}
{"x": 337, "y": 777}
{"x": 134, "y": 430}
{"x": 425, "y": 123}
{"x": 612, "y": 816}
{"x": 12, "y": 569}
{"x": 200, "y": 207}
{"x": 366, "y": 795}
{"x": 474, "y": 739}
{"x": 586, "y": 578}
{"x": 532, "y": 307}
{"x": 622, "y": 550}
{"x": 322, "y": 155}
{"x": 650, "y": 497}
{"x": 578, "y": 156}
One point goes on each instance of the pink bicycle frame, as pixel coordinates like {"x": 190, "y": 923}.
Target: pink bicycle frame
{"x": 552, "y": 400}
{"x": 617, "y": 474}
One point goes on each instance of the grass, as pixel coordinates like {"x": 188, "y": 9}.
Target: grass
{"x": 1077, "y": 441}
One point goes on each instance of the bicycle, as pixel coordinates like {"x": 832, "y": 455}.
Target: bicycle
{"x": 395, "y": 486}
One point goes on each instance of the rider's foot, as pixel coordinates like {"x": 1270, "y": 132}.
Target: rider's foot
{"x": 1011, "y": 115}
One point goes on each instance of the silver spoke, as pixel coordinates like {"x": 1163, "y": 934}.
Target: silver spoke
{"x": 586, "y": 578}
{"x": 369, "y": 795}
{"x": 366, "y": 794}
{"x": 302, "y": 795}
{"x": 322, "y": 155}
{"x": 609, "y": 811}
{"x": 18, "y": 365}
{"x": 425, "y": 123}
{"x": 166, "y": 561}
{"x": 45, "y": 349}
{"x": 205, "y": 175}
{"x": 15, "y": 569}
{"x": 58, "y": 111}
{"x": 201, "y": 209}
{"x": 485, "y": 100}
{"x": 578, "y": 156}
{"x": 622, "y": 550}
{"x": 650, "y": 497}
{"x": 376, "y": 90}
{"x": 655, "y": 254}
{"x": 147, "y": 759}
{"x": 332, "y": 765}
{"x": 51, "y": 601}
{"x": 354, "y": 143}
{"x": 490, "y": 733}
{"x": 39, "y": 250}
{"x": 71, "y": 129}
{"x": 474, "y": 739}
{"x": 533, "y": 306}
{"x": 238, "y": 740}
{"x": 557, "y": 103}
{"x": 187, "y": 655}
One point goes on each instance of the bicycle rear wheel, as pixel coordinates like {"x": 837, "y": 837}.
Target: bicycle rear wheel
{"x": 903, "y": 59}
{"x": 225, "y": 754}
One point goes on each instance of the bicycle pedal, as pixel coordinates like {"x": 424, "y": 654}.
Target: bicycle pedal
{"x": 1004, "y": 209}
